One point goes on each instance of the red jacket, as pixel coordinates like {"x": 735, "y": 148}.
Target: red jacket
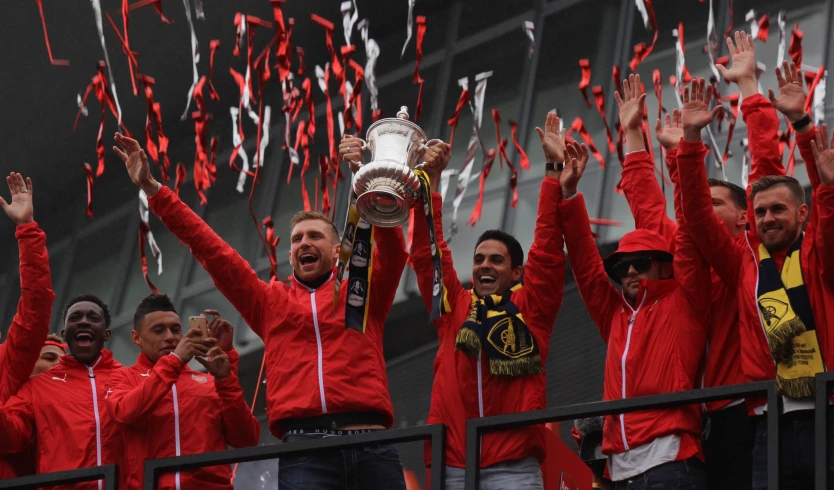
{"x": 167, "y": 410}
{"x": 653, "y": 348}
{"x": 314, "y": 365}
{"x": 736, "y": 260}
{"x": 63, "y": 408}
{"x": 648, "y": 206}
{"x": 20, "y": 351}
{"x": 457, "y": 384}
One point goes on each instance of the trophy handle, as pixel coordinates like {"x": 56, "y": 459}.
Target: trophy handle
{"x": 364, "y": 147}
{"x": 423, "y": 148}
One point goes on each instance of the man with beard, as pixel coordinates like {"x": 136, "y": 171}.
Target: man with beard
{"x": 64, "y": 408}
{"x": 165, "y": 409}
{"x": 785, "y": 279}
{"x": 325, "y": 375}
{"x": 19, "y": 353}
{"x": 494, "y": 338}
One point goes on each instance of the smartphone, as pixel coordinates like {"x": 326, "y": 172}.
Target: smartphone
{"x": 200, "y": 323}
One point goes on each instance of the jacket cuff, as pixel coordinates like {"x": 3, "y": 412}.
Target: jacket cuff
{"x": 230, "y": 382}
{"x": 550, "y": 192}
{"x": 756, "y": 101}
{"x": 689, "y": 147}
{"x": 173, "y": 361}
{"x": 806, "y": 138}
{"x": 575, "y": 221}
{"x": 21, "y": 230}
{"x": 636, "y": 156}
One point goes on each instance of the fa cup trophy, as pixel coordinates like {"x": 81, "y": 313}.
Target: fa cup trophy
{"x": 387, "y": 187}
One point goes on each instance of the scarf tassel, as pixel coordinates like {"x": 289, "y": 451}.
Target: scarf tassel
{"x": 796, "y": 387}
{"x": 780, "y": 339}
{"x": 524, "y": 366}
{"x": 468, "y": 342}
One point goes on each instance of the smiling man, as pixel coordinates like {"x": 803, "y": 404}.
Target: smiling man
{"x": 165, "y": 409}
{"x": 494, "y": 338}
{"x": 63, "y": 408}
{"x": 325, "y": 375}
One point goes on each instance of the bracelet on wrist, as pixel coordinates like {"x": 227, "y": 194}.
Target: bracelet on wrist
{"x": 557, "y": 167}
{"x": 800, "y": 124}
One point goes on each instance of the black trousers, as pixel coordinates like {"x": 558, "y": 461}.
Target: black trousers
{"x": 727, "y": 439}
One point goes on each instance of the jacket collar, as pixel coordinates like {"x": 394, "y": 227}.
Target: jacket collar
{"x": 650, "y": 291}
{"x": 296, "y": 283}
{"x": 105, "y": 361}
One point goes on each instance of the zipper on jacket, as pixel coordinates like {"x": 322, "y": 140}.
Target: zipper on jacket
{"x": 318, "y": 346}
{"x": 480, "y": 389}
{"x": 92, "y": 376}
{"x": 176, "y": 429}
{"x": 623, "y": 361}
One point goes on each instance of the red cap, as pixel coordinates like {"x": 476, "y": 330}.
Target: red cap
{"x": 638, "y": 241}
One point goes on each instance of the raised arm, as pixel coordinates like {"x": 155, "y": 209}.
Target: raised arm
{"x": 240, "y": 427}
{"x": 708, "y": 231}
{"x": 822, "y": 204}
{"x": 437, "y": 159}
{"x": 17, "y": 421}
{"x": 20, "y": 351}
{"x": 791, "y": 103}
{"x": 130, "y": 404}
{"x": 643, "y": 194}
{"x": 255, "y": 300}
{"x": 601, "y": 298}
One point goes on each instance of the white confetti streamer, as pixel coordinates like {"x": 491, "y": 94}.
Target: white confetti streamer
{"x": 641, "y": 7}
{"x": 712, "y": 43}
{"x": 445, "y": 177}
{"x": 528, "y": 29}
{"x": 754, "y": 25}
{"x": 745, "y": 163}
{"x": 264, "y": 136}
{"x": 348, "y": 19}
{"x": 80, "y": 102}
{"x": 144, "y": 214}
{"x": 100, "y": 28}
{"x": 195, "y": 58}
{"x": 409, "y": 27}
{"x": 237, "y": 142}
{"x": 371, "y": 53}
{"x": 198, "y": 7}
{"x": 680, "y": 64}
{"x": 780, "y": 56}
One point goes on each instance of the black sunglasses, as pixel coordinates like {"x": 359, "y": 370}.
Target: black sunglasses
{"x": 640, "y": 264}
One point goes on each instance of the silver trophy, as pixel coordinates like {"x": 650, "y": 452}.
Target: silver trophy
{"x": 387, "y": 187}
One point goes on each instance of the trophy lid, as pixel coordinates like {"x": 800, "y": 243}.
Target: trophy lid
{"x": 403, "y": 114}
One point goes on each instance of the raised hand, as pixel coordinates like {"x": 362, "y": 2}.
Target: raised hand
{"x": 670, "y": 133}
{"x": 577, "y": 159}
{"x": 824, "y": 155}
{"x": 631, "y": 109}
{"x": 192, "y": 345}
{"x": 217, "y": 363}
{"x": 791, "y": 100}
{"x": 553, "y": 140}
{"x": 136, "y": 163}
{"x": 20, "y": 209}
{"x": 221, "y": 330}
{"x": 350, "y": 151}
{"x": 696, "y": 114}
{"x": 743, "y": 53}
{"x": 436, "y": 158}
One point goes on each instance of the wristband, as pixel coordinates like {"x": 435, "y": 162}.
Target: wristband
{"x": 797, "y": 125}
{"x": 558, "y": 167}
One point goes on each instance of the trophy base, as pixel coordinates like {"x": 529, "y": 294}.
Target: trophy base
{"x": 382, "y": 207}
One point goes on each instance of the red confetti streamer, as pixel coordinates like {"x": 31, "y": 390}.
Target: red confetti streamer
{"x": 764, "y": 28}
{"x": 641, "y": 51}
{"x": 89, "y": 172}
{"x": 453, "y": 121}
{"x": 524, "y": 161}
{"x": 305, "y": 145}
{"x": 730, "y": 18}
{"x": 599, "y": 100}
{"x": 52, "y": 60}
{"x": 346, "y": 52}
{"x": 421, "y": 34}
{"x": 418, "y": 109}
{"x": 157, "y": 5}
{"x": 181, "y": 175}
{"x": 213, "y": 45}
{"x": 307, "y": 86}
{"x": 617, "y": 79}
{"x": 502, "y": 152}
{"x": 283, "y": 53}
{"x": 579, "y": 125}
{"x": 155, "y": 116}
{"x": 486, "y": 166}
{"x": 131, "y": 55}
{"x": 585, "y": 65}
{"x": 272, "y": 240}
{"x": 812, "y": 86}
{"x": 324, "y": 165}
{"x": 298, "y": 139}
{"x": 355, "y": 102}
{"x": 682, "y": 45}
{"x": 331, "y": 137}
{"x": 335, "y": 65}
{"x": 300, "y": 51}
{"x": 795, "y": 48}
{"x": 143, "y": 231}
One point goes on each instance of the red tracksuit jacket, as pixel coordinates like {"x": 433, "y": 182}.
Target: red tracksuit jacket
{"x": 654, "y": 346}
{"x": 167, "y": 410}
{"x": 20, "y": 351}
{"x": 463, "y": 386}
{"x": 64, "y": 409}
{"x": 737, "y": 263}
{"x": 314, "y": 365}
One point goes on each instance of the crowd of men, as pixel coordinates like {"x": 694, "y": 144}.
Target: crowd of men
{"x": 739, "y": 287}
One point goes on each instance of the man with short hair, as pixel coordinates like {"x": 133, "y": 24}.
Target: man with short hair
{"x": 63, "y": 408}
{"x": 165, "y": 409}
{"x": 783, "y": 276}
{"x": 325, "y": 374}
{"x": 655, "y": 329}
{"x": 494, "y": 338}
{"x": 19, "y": 352}
{"x": 51, "y": 353}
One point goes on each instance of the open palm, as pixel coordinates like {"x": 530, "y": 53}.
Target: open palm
{"x": 743, "y": 53}
{"x": 552, "y": 139}
{"x": 670, "y": 133}
{"x": 824, "y": 155}
{"x": 631, "y": 107}
{"x": 791, "y": 100}
{"x": 696, "y": 114}
{"x": 20, "y": 209}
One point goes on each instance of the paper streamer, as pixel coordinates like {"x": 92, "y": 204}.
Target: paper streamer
{"x": 323, "y": 78}
{"x": 52, "y": 60}
{"x": 159, "y": 154}
{"x": 157, "y": 5}
{"x": 273, "y": 240}
{"x": 89, "y": 172}
{"x": 781, "y": 21}
{"x": 462, "y": 101}
{"x": 795, "y": 49}
{"x": 445, "y": 178}
{"x": 99, "y": 26}
{"x": 599, "y": 101}
{"x": 348, "y": 19}
{"x": 477, "y": 107}
{"x": 324, "y": 170}
{"x": 528, "y": 29}
{"x": 283, "y": 48}
{"x": 486, "y": 167}
{"x": 524, "y": 162}
{"x": 502, "y": 153}
{"x": 181, "y": 176}
{"x": 213, "y": 45}
{"x": 712, "y": 43}
{"x": 585, "y": 82}
{"x": 745, "y": 163}
{"x": 408, "y": 26}
{"x": 238, "y": 150}
{"x": 371, "y": 54}
{"x": 146, "y": 235}
{"x": 416, "y": 78}
{"x": 195, "y": 58}
{"x": 335, "y": 65}
{"x": 198, "y": 9}
{"x": 641, "y": 51}
{"x": 579, "y": 125}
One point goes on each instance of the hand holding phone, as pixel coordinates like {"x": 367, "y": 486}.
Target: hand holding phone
{"x": 199, "y": 323}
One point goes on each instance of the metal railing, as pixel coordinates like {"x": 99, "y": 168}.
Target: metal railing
{"x": 476, "y": 427}
{"x": 109, "y": 473}
{"x": 823, "y": 389}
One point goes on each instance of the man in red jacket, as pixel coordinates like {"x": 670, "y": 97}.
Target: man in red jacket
{"x": 325, "y": 375}
{"x": 19, "y": 353}
{"x": 51, "y": 353}
{"x": 63, "y": 408}
{"x": 784, "y": 279}
{"x": 494, "y": 338}
{"x": 655, "y": 330}
{"x": 165, "y": 409}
